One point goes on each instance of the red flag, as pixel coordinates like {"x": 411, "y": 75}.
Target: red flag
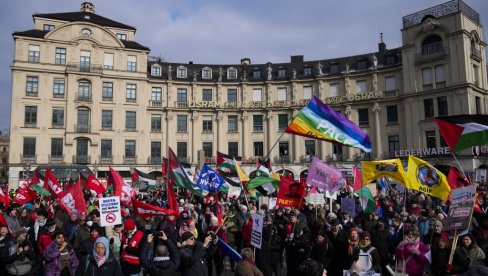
{"x": 455, "y": 179}
{"x": 92, "y": 183}
{"x": 290, "y": 193}
{"x": 50, "y": 208}
{"x": 121, "y": 189}
{"x": 23, "y": 195}
{"x": 170, "y": 192}
{"x": 52, "y": 185}
{"x": 3, "y": 221}
{"x": 477, "y": 206}
{"x": 73, "y": 200}
{"x": 217, "y": 207}
{"x": 5, "y": 199}
{"x": 145, "y": 210}
{"x": 357, "y": 178}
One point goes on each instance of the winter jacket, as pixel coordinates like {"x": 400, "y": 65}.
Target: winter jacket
{"x": 192, "y": 260}
{"x": 86, "y": 247}
{"x": 52, "y": 262}
{"x": 414, "y": 264}
{"x": 381, "y": 240}
{"x": 7, "y": 253}
{"x": 158, "y": 265}
{"x": 82, "y": 234}
{"x": 323, "y": 253}
{"x": 246, "y": 268}
{"x": 89, "y": 266}
{"x": 464, "y": 258}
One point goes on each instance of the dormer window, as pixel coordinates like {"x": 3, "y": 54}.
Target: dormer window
{"x": 256, "y": 74}
{"x": 156, "y": 70}
{"x": 362, "y": 65}
{"x": 122, "y": 36}
{"x": 47, "y": 27}
{"x": 334, "y": 68}
{"x": 231, "y": 74}
{"x": 207, "y": 73}
{"x": 281, "y": 73}
{"x": 307, "y": 71}
{"x": 181, "y": 72}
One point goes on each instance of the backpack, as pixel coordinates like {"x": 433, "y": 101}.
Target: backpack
{"x": 365, "y": 261}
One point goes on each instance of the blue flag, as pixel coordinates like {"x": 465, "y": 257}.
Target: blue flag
{"x": 209, "y": 180}
{"x": 227, "y": 250}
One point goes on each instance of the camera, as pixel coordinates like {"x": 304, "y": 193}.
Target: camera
{"x": 157, "y": 234}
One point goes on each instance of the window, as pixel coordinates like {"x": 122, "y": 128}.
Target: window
{"x": 34, "y": 53}
{"x": 362, "y": 64}
{"x": 207, "y": 73}
{"x": 156, "y": 123}
{"x": 476, "y": 75}
{"x": 32, "y": 86}
{"x": 58, "y": 88}
{"x": 257, "y": 95}
{"x": 257, "y": 122}
{"x": 130, "y": 93}
{"x": 282, "y": 94}
{"x": 258, "y": 149}
{"x": 207, "y": 148}
{"x": 181, "y": 151}
{"x": 309, "y": 147}
{"x": 361, "y": 86}
{"x": 207, "y": 123}
{"x": 363, "y": 117}
{"x": 232, "y": 95}
{"x": 181, "y": 72}
{"x": 60, "y": 57}
{"x": 393, "y": 144}
{"x": 390, "y": 83}
{"x": 282, "y": 122}
{"x": 431, "y": 44}
{"x": 108, "y": 61}
{"x": 30, "y": 118}
{"x": 256, "y": 74}
{"x": 181, "y": 95}
{"x": 156, "y": 151}
{"x": 57, "y": 117}
{"x": 107, "y": 119}
{"x": 207, "y": 95}
{"x": 57, "y": 147}
{"x": 29, "y": 149}
{"x": 334, "y": 90}
{"x": 130, "y": 120}
{"x": 281, "y": 72}
{"x": 131, "y": 63}
{"x": 307, "y": 71}
{"x": 156, "y": 94}
{"x": 478, "y": 105}
{"x": 231, "y": 74}
{"x": 283, "y": 150}
{"x": 106, "y": 148}
{"x": 232, "y": 123}
{"x": 334, "y": 68}
{"x": 83, "y": 91}
{"x": 85, "y": 61}
{"x": 429, "y": 108}
{"x": 107, "y": 91}
{"x": 233, "y": 149}
{"x": 442, "y": 106}
{"x": 156, "y": 71}
{"x": 121, "y": 36}
{"x": 181, "y": 123}
{"x": 442, "y": 141}
{"x": 307, "y": 92}
{"x": 47, "y": 27}
{"x": 391, "y": 114}
{"x": 130, "y": 148}
{"x": 337, "y": 152}
{"x": 440, "y": 79}
{"x": 427, "y": 77}
{"x": 430, "y": 140}
{"x": 390, "y": 59}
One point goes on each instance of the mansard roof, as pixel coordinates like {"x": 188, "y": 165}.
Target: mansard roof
{"x": 85, "y": 17}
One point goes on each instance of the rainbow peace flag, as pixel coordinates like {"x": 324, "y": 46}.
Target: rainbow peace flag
{"x": 319, "y": 121}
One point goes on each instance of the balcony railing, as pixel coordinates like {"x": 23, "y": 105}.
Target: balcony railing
{"x": 181, "y": 104}
{"x": 390, "y": 93}
{"x": 83, "y": 128}
{"x": 284, "y": 159}
{"x": 154, "y": 160}
{"x": 431, "y": 53}
{"x": 90, "y": 68}
{"x": 476, "y": 54}
{"x": 105, "y": 160}
{"x": 29, "y": 159}
{"x": 155, "y": 103}
{"x": 81, "y": 159}
{"x": 130, "y": 159}
{"x": 83, "y": 98}
{"x": 56, "y": 158}
{"x": 306, "y": 158}
{"x": 210, "y": 160}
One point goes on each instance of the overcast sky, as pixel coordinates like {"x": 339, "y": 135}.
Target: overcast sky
{"x": 224, "y": 31}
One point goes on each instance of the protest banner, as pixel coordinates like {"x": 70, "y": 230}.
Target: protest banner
{"x": 461, "y": 208}
{"x": 233, "y": 191}
{"x": 257, "y": 230}
{"x": 290, "y": 193}
{"x": 349, "y": 205}
{"x": 110, "y": 211}
{"x": 272, "y": 203}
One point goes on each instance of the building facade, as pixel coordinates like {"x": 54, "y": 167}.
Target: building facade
{"x": 85, "y": 92}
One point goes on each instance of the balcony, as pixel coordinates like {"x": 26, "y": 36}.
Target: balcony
{"x": 87, "y": 68}
{"x": 390, "y": 93}
{"x": 31, "y": 94}
{"x": 81, "y": 159}
{"x": 431, "y": 52}
{"x": 58, "y": 96}
{"x": 334, "y": 158}
{"x": 83, "y": 98}
{"x": 28, "y": 159}
{"x": 210, "y": 160}
{"x": 155, "y": 103}
{"x": 56, "y": 159}
{"x": 154, "y": 160}
{"x": 179, "y": 104}
{"x": 130, "y": 159}
{"x": 284, "y": 159}
{"x": 105, "y": 160}
{"x": 306, "y": 158}
{"x": 83, "y": 128}
{"x": 476, "y": 54}
{"x": 106, "y": 127}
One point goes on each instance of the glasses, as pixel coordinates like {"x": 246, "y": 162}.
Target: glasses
{"x": 366, "y": 239}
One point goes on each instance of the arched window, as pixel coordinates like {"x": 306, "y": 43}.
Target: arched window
{"x": 431, "y": 44}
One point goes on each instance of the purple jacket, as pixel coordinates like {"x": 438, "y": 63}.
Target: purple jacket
{"x": 414, "y": 263}
{"x": 53, "y": 262}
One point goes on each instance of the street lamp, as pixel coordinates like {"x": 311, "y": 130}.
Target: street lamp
{"x": 95, "y": 169}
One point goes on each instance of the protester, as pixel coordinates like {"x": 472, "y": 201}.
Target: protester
{"x": 247, "y": 267}
{"x": 440, "y": 256}
{"x": 191, "y": 253}
{"x": 22, "y": 261}
{"x": 7, "y": 249}
{"x": 164, "y": 259}
{"x": 411, "y": 254}
{"x": 132, "y": 240}
{"x": 114, "y": 235}
{"x": 99, "y": 261}
{"x": 467, "y": 254}
{"x": 59, "y": 257}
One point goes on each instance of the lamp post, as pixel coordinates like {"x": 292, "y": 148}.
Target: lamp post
{"x": 95, "y": 169}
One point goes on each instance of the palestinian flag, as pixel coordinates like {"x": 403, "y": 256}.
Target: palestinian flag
{"x": 269, "y": 184}
{"x": 143, "y": 180}
{"x": 366, "y": 199}
{"x": 225, "y": 164}
{"x": 37, "y": 184}
{"x": 179, "y": 173}
{"x": 463, "y": 131}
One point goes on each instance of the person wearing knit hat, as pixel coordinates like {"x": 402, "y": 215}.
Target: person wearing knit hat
{"x": 192, "y": 253}
{"x": 368, "y": 260}
{"x": 129, "y": 225}
{"x": 131, "y": 248}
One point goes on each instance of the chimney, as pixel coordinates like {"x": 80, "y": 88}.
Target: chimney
{"x": 245, "y": 61}
{"x": 381, "y": 45}
{"x": 297, "y": 59}
{"x": 190, "y": 62}
{"x": 87, "y": 7}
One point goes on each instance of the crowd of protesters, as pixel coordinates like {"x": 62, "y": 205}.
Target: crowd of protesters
{"x": 403, "y": 235}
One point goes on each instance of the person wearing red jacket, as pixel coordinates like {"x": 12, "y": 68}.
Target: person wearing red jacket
{"x": 132, "y": 242}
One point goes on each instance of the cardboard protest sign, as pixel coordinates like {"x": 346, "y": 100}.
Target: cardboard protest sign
{"x": 461, "y": 208}
{"x": 110, "y": 211}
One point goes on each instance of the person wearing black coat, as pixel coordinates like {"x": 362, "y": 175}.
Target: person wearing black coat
{"x": 338, "y": 238}
{"x": 297, "y": 250}
{"x": 192, "y": 253}
{"x": 86, "y": 247}
{"x": 440, "y": 256}
{"x": 270, "y": 252}
{"x": 381, "y": 240}
{"x": 89, "y": 264}
{"x": 322, "y": 250}
{"x": 166, "y": 259}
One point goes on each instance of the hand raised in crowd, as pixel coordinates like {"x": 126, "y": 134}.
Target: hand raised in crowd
{"x": 150, "y": 238}
{"x": 63, "y": 246}
{"x": 207, "y": 241}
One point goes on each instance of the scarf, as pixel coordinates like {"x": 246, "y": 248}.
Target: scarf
{"x": 93, "y": 239}
{"x": 100, "y": 260}
{"x": 37, "y": 224}
{"x": 351, "y": 245}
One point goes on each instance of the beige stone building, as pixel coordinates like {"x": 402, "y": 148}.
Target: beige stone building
{"x": 85, "y": 92}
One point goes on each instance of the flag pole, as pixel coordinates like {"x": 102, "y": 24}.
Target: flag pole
{"x": 459, "y": 165}
{"x": 274, "y": 145}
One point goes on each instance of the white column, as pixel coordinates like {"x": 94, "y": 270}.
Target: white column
{"x": 192, "y": 143}
{"x": 376, "y": 110}
{"x": 220, "y": 130}
{"x": 268, "y": 127}
{"x": 243, "y": 131}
